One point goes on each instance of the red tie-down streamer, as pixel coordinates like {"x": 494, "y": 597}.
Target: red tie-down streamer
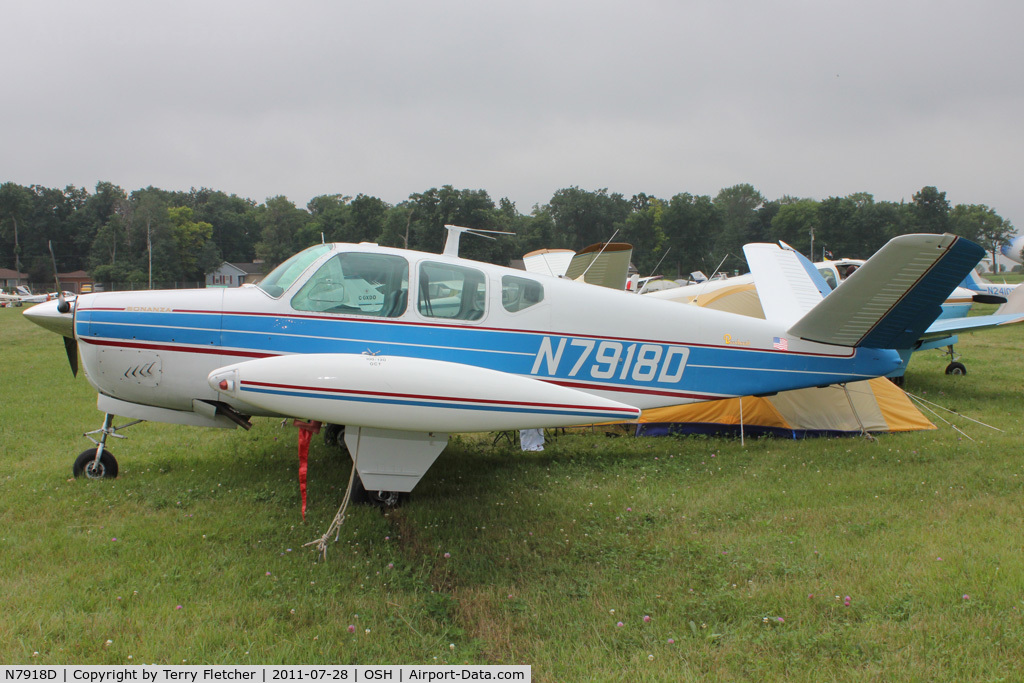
{"x": 306, "y": 432}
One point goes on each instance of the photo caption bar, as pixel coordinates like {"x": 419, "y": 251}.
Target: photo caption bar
{"x": 162, "y": 673}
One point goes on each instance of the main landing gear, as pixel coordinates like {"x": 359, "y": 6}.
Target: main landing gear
{"x": 99, "y": 463}
{"x": 334, "y": 437}
{"x": 955, "y": 367}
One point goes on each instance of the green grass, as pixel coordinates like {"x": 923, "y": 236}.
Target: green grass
{"x": 547, "y": 551}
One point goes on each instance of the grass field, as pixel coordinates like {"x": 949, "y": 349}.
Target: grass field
{"x": 900, "y": 558}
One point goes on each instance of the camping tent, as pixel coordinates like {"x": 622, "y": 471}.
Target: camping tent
{"x": 875, "y": 405}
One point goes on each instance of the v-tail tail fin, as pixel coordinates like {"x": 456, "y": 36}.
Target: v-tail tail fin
{"x": 891, "y": 300}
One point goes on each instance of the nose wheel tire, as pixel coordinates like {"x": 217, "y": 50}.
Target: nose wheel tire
{"x": 86, "y": 465}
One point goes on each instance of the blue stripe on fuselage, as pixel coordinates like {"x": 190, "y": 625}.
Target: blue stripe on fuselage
{"x": 616, "y": 364}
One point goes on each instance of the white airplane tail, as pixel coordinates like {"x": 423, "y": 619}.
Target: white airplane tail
{"x": 887, "y": 303}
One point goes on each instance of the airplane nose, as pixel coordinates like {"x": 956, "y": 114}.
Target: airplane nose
{"x": 48, "y": 317}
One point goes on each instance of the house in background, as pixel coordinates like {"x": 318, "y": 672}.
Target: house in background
{"x": 77, "y": 281}
{"x": 234, "y": 274}
{"x": 9, "y": 279}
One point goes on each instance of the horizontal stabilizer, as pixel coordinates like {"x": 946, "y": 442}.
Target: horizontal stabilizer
{"x": 895, "y": 296}
{"x": 787, "y": 284}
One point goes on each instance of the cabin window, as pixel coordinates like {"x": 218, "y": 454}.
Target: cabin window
{"x": 282, "y": 277}
{"x": 454, "y": 292}
{"x": 518, "y": 293}
{"x": 830, "y": 277}
{"x": 359, "y": 284}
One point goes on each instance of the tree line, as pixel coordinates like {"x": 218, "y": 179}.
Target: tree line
{"x": 153, "y": 235}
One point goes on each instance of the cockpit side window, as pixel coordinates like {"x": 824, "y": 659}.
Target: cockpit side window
{"x": 357, "y": 284}
{"x": 518, "y": 293}
{"x": 454, "y": 292}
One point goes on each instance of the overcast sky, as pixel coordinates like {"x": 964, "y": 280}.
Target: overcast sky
{"x": 810, "y": 99}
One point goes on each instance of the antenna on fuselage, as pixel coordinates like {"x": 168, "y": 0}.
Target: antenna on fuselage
{"x": 451, "y": 244}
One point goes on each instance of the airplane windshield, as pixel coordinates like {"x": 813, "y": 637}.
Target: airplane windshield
{"x": 282, "y": 277}
{"x": 357, "y": 283}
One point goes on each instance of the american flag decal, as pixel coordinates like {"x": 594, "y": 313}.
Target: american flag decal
{"x": 780, "y": 343}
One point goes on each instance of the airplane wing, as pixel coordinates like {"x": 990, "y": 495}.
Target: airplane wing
{"x": 553, "y": 262}
{"x": 602, "y": 264}
{"x": 895, "y": 296}
{"x": 950, "y": 326}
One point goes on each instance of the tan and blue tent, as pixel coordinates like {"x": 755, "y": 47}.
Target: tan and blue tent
{"x": 875, "y": 405}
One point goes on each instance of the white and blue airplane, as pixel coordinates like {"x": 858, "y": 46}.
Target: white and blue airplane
{"x": 404, "y": 347}
{"x": 739, "y": 295}
{"x": 1014, "y": 250}
{"x": 990, "y": 292}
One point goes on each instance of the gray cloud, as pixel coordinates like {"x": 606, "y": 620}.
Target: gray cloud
{"x": 389, "y": 98}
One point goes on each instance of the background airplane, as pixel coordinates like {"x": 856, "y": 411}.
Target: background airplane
{"x": 740, "y": 295}
{"x": 404, "y": 347}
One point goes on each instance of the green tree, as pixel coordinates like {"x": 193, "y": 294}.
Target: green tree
{"x": 190, "y": 238}
{"x": 690, "y": 224}
{"x": 280, "y": 224}
{"x": 15, "y": 209}
{"x": 983, "y": 225}
{"x": 582, "y": 218}
{"x": 233, "y": 219}
{"x": 642, "y": 228}
{"x": 930, "y": 211}
{"x": 794, "y": 223}
{"x": 738, "y": 207}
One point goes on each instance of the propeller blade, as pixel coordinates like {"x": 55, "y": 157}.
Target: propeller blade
{"x": 71, "y": 346}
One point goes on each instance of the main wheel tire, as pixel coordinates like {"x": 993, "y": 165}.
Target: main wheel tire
{"x": 85, "y": 464}
{"x": 334, "y": 435}
{"x": 382, "y": 499}
{"x": 956, "y": 368}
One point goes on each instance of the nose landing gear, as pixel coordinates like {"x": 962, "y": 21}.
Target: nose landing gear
{"x": 99, "y": 463}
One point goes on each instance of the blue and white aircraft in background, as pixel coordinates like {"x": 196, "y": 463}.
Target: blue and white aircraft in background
{"x": 404, "y": 347}
{"x": 738, "y": 294}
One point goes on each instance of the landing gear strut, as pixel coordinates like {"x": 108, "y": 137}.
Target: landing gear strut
{"x": 99, "y": 463}
{"x": 955, "y": 367}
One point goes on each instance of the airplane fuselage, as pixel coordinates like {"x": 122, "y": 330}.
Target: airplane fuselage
{"x": 157, "y": 348}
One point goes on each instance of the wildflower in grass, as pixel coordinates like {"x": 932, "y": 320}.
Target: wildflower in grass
{"x": 647, "y": 618}
{"x": 671, "y": 641}
{"x": 179, "y": 607}
{"x": 650, "y": 658}
{"x": 351, "y": 628}
{"x": 966, "y": 596}
{"x": 268, "y": 573}
{"x": 447, "y": 556}
{"x": 619, "y": 625}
